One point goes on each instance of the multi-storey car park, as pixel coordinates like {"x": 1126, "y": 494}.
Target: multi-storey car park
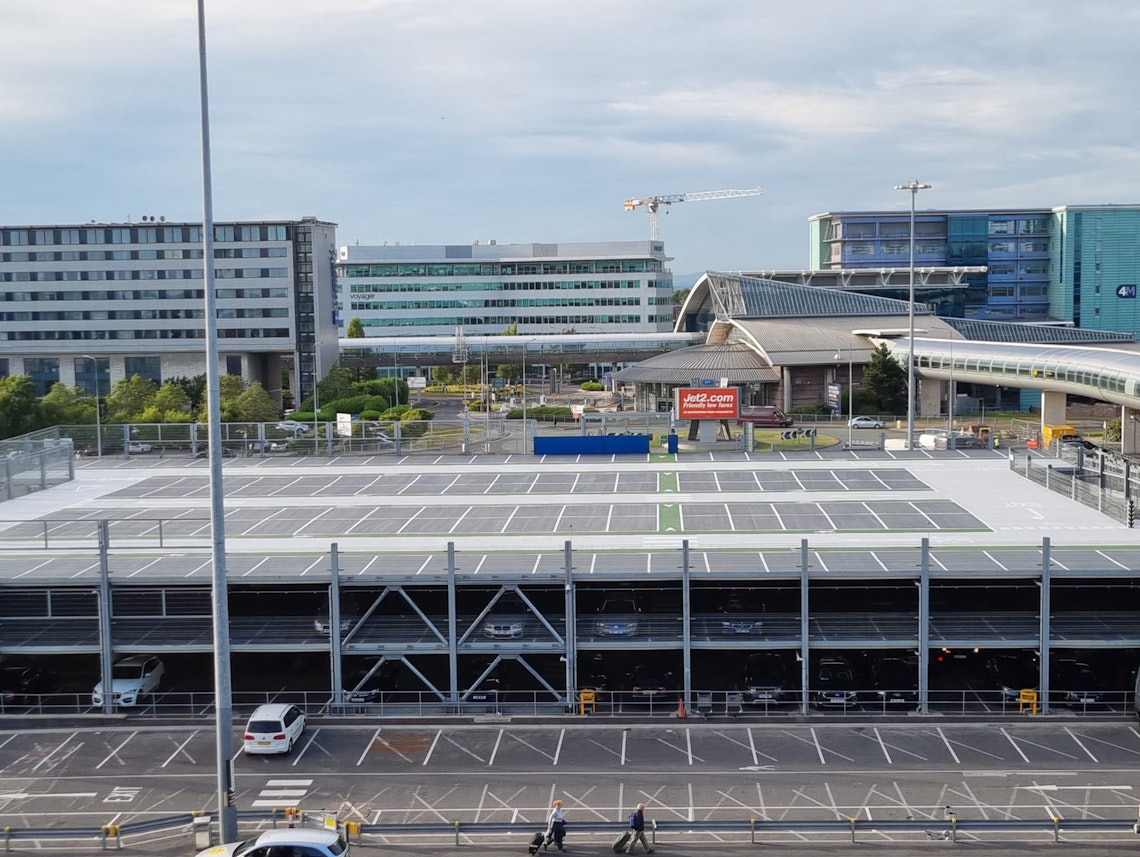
{"x": 461, "y": 585}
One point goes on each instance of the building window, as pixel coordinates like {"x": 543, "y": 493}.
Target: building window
{"x": 1001, "y": 227}
{"x": 147, "y": 368}
{"x": 120, "y": 236}
{"x": 44, "y": 372}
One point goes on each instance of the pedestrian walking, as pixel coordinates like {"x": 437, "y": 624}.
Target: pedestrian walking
{"x": 555, "y": 827}
{"x": 637, "y": 830}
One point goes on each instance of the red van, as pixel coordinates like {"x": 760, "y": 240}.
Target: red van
{"x": 763, "y": 415}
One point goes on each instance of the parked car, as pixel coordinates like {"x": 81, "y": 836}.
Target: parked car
{"x": 1012, "y": 673}
{"x": 21, "y": 685}
{"x": 291, "y": 841}
{"x": 132, "y": 678}
{"x": 273, "y": 728}
{"x": 647, "y": 686}
{"x": 618, "y": 617}
{"x": 504, "y": 627}
{"x": 322, "y": 625}
{"x": 865, "y": 423}
{"x": 365, "y": 689}
{"x": 765, "y": 677}
{"x": 836, "y": 683}
{"x": 135, "y": 447}
{"x": 735, "y": 618}
{"x": 895, "y": 680}
{"x": 294, "y": 427}
{"x": 1074, "y": 683}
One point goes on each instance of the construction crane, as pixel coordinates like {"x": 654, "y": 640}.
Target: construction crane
{"x": 653, "y": 203}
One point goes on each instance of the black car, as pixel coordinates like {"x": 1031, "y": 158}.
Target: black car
{"x": 736, "y": 618}
{"x": 895, "y": 681}
{"x": 1013, "y": 673}
{"x": 836, "y": 683}
{"x": 648, "y": 686}
{"x": 765, "y": 677}
{"x": 22, "y": 685}
{"x": 1075, "y": 684}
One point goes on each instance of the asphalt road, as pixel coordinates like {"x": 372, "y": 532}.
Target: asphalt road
{"x": 685, "y": 771}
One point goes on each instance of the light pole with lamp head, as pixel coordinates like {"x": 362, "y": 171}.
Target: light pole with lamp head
{"x": 914, "y": 186}
{"x": 98, "y": 415}
{"x": 850, "y": 391}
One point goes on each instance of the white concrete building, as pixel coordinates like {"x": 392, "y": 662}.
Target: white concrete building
{"x": 92, "y": 303}
{"x": 425, "y": 290}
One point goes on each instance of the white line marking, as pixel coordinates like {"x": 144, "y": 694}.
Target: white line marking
{"x": 1013, "y": 744}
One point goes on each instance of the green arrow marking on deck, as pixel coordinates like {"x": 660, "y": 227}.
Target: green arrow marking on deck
{"x": 669, "y": 518}
{"x": 666, "y": 482}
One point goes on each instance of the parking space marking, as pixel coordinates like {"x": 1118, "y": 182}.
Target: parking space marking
{"x": 558, "y": 749}
{"x": 892, "y": 746}
{"x": 624, "y": 743}
{"x": 1044, "y": 747}
{"x": 579, "y": 802}
{"x": 883, "y": 746}
{"x": 1081, "y": 744}
{"x": 1112, "y": 744}
{"x": 610, "y": 750}
{"x": 495, "y": 749}
{"x": 463, "y": 749}
{"x": 1013, "y": 743}
{"x": 114, "y": 754}
{"x": 968, "y": 747}
{"x": 71, "y": 751}
{"x": 515, "y": 736}
{"x": 431, "y": 749}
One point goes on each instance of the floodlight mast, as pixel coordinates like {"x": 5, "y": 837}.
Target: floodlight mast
{"x": 914, "y": 186}
{"x": 652, "y": 204}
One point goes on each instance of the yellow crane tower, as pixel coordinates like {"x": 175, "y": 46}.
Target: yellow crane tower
{"x": 653, "y": 203}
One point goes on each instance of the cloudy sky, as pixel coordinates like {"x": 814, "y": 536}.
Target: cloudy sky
{"x": 447, "y": 121}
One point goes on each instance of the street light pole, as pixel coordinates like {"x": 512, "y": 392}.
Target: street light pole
{"x": 524, "y": 395}
{"x": 914, "y": 186}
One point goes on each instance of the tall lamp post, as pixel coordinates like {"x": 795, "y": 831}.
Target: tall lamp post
{"x": 98, "y": 415}
{"x": 850, "y": 390}
{"x": 914, "y": 186}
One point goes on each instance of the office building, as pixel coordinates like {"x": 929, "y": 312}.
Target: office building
{"x": 90, "y": 304}
{"x": 431, "y": 290}
{"x": 1073, "y": 264}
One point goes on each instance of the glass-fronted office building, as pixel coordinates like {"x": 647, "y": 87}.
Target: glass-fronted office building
{"x": 1071, "y": 264}
{"x": 431, "y": 290}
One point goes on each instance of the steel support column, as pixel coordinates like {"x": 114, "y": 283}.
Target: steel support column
{"x": 452, "y": 651}
{"x": 1046, "y": 606}
{"x": 334, "y": 623}
{"x": 924, "y": 629}
{"x": 571, "y": 626}
{"x": 106, "y": 663}
{"x": 805, "y": 667}
{"x": 686, "y": 627}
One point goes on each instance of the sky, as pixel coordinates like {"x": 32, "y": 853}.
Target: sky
{"x": 451, "y": 121}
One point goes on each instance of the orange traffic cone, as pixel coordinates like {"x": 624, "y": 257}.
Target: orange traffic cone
{"x": 681, "y": 709}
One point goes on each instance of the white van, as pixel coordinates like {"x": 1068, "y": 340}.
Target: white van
{"x": 273, "y": 728}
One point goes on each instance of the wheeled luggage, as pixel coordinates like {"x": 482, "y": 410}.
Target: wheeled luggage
{"x": 621, "y": 842}
{"x": 536, "y": 842}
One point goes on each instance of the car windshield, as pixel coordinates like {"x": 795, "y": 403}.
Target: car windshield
{"x": 262, "y": 726}
{"x": 128, "y": 670}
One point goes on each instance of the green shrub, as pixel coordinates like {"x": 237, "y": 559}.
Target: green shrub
{"x": 593, "y": 386}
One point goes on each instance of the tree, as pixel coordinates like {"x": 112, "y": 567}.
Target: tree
{"x": 442, "y": 375}
{"x": 511, "y": 329}
{"x": 884, "y": 382}
{"x": 254, "y": 405}
{"x": 195, "y": 388}
{"x": 355, "y": 329}
{"x": 128, "y": 398}
{"x": 19, "y": 410}
{"x": 680, "y": 296}
{"x": 65, "y": 405}
{"x": 509, "y": 372}
{"x": 173, "y": 402}
{"x": 337, "y": 384}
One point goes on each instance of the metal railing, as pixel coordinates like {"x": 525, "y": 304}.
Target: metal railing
{"x": 1101, "y": 480}
{"x": 937, "y": 825}
{"x": 35, "y": 462}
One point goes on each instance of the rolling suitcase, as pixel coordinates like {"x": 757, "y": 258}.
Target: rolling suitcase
{"x": 536, "y": 842}
{"x": 621, "y": 842}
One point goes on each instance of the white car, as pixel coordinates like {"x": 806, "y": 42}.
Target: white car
{"x": 132, "y": 678}
{"x": 865, "y": 423}
{"x": 136, "y": 447}
{"x": 294, "y": 427}
{"x": 311, "y": 843}
{"x": 273, "y": 728}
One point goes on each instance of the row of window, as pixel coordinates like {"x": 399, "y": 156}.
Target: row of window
{"x": 872, "y": 248}
{"x": 151, "y": 333}
{"x": 144, "y": 295}
{"x": 1025, "y": 290}
{"x": 519, "y": 286}
{"x": 1029, "y": 269}
{"x": 500, "y": 321}
{"x": 142, "y": 314}
{"x": 139, "y": 235}
{"x": 148, "y": 274}
{"x": 501, "y": 302}
{"x": 498, "y": 269}
{"x": 901, "y": 229}
{"x": 1019, "y": 247}
{"x": 145, "y": 255}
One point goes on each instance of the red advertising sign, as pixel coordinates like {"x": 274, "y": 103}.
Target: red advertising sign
{"x": 707, "y": 403}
